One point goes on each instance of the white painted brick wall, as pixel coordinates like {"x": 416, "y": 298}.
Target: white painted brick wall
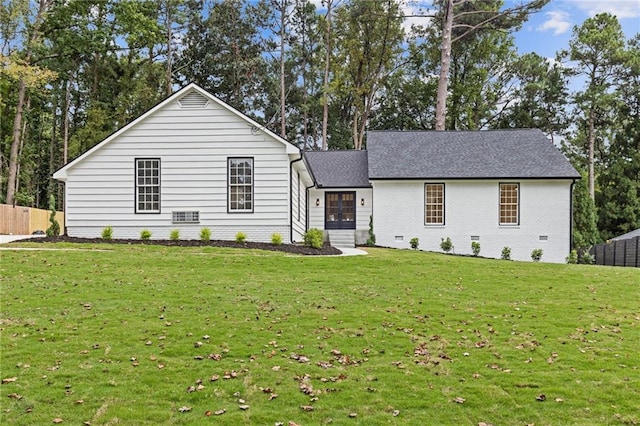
{"x": 471, "y": 209}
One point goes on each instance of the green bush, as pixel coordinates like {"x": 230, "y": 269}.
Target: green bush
{"x": 145, "y": 234}
{"x": 314, "y": 238}
{"x": 506, "y": 253}
{"x": 54, "y": 229}
{"x": 241, "y": 237}
{"x": 276, "y": 239}
{"x": 446, "y": 245}
{"x": 371, "y": 241}
{"x": 205, "y": 234}
{"x": 573, "y": 257}
{"x": 536, "y": 254}
{"x": 414, "y": 243}
{"x": 174, "y": 235}
{"x": 587, "y": 258}
{"x": 475, "y": 248}
{"x": 107, "y": 233}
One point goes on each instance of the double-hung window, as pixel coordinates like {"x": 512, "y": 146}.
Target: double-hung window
{"x": 240, "y": 172}
{"x": 147, "y": 185}
{"x": 509, "y": 204}
{"x": 434, "y": 204}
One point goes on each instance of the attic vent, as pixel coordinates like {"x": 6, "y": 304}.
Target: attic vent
{"x": 193, "y": 100}
{"x": 186, "y": 217}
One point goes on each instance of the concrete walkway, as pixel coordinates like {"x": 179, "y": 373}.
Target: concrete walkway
{"x": 351, "y": 251}
{"x": 8, "y": 238}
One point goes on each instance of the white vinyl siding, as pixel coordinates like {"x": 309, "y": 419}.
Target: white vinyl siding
{"x": 193, "y": 145}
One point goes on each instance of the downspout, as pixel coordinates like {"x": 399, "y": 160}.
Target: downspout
{"x": 573, "y": 182}
{"x": 291, "y": 196}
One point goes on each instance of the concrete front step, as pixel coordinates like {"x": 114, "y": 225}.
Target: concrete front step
{"x": 342, "y": 238}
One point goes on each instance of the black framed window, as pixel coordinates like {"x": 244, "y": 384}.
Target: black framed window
{"x": 240, "y": 196}
{"x": 147, "y": 185}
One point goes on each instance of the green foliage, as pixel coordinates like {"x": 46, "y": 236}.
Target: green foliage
{"x": 54, "y": 229}
{"x": 371, "y": 241}
{"x": 573, "y": 257}
{"x": 145, "y": 234}
{"x": 587, "y": 258}
{"x": 241, "y": 237}
{"x": 314, "y": 237}
{"x": 276, "y": 239}
{"x": 107, "y": 233}
{"x": 506, "y": 253}
{"x": 174, "y": 235}
{"x": 475, "y": 248}
{"x": 585, "y": 231}
{"x": 536, "y": 254}
{"x": 205, "y": 234}
{"x": 414, "y": 243}
{"x": 446, "y": 245}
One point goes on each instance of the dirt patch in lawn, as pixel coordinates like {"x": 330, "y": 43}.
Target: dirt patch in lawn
{"x": 326, "y": 250}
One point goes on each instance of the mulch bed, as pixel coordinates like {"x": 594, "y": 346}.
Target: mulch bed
{"x": 327, "y": 250}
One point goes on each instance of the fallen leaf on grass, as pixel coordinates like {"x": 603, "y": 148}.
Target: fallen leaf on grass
{"x": 307, "y": 407}
{"x": 276, "y": 368}
{"x": 57, "y": 420}
{"x": 559, "y": 400}
{"x": 184, "y": 409}
{"x": 273, "y": 396}
{"x": 9, "y": 380}
{"x": 541, "y": 397}
{"x": 352, "y": 415}
{"x": 220, "y": 412}
{"x": 80, "y": 401}
{"x": 14, "y": 396}
{"x": 395, "y": 413}
{"x": 214, "y": 378}
{"x": 243, "y": 407}
{"x": 458, "y": 400}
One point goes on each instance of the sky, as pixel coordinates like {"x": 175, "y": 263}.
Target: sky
{"x": 549, "y": 30}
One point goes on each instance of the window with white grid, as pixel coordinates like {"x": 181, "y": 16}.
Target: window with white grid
{"x": 509, "y": 204}
{"x": 434, "y": 204}
{"x": 240, "y": 172}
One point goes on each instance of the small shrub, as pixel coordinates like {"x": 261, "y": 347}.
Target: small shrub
{"x": 506, "y": 253}
{"x": 371, "y": 241}
{"x": 475, "y": 248}
{"x": 536, "y": 255}
{"x": 573, "y": 257}
{"x": 174, "y": 235}
{"x": 54, "y": 229}
{"x": 587, "y": 258}
{"x": 107, "y": 233}
{"x": 314, "y": 237}
{"x": 145, "y": 234}
{"x": 446, "y": 245}
{"x": 276, "y": 239}
{"x": 205, "y": 234}
{"x": 241, "y": 237}
{"x": 414, "y": 243}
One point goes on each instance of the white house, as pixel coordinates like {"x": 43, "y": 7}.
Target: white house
{"x": 190, "y": 162}
{"x": 193, "y": 162}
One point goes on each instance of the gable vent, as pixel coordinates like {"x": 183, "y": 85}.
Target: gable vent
{"x": 193, "y": 100}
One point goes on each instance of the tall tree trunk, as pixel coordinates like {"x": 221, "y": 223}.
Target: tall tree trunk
{"x": 65, "y": 122}
{"x": 283, "y": 119}
{"x": 591, "y": 153}
{"x": 445, "y": 63}
{"x": 325, "y": 85}
{"x": 15, "y": 142}
{"x": 169, "y": 61}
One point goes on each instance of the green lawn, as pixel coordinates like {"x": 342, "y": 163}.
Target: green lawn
{"x": 137, "y": 335}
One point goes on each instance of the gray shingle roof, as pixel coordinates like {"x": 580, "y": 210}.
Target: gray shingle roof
{"x": 628, "y": 235}
{"x": 339, "y": 169}
{"x": 518, "y": 153}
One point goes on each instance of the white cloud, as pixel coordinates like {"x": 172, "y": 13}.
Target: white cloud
{"x": 557, "y": 21}
{"x": 620, "y": 8}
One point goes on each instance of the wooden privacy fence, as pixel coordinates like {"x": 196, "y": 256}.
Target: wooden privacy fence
{"x": 25, "y": 220}
{"x": 618, "y": 253}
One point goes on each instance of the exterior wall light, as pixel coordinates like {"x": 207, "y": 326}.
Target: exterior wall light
{"x": 317, "y": 202}
{"x": 362, "y": 201}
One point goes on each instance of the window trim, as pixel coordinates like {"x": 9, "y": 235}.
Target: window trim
{"x": 443, "y": 205}
{"x": 229, "y": 185}
{"x": 517, "y": 222}
{"x": 137, "y": 186}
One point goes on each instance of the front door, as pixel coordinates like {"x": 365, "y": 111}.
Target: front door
{"x": 340, "y": 210}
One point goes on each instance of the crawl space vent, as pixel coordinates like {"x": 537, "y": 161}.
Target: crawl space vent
{"x": 193, "y": 100}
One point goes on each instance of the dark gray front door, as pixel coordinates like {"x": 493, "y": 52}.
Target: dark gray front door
{"x": 340, "y": 210}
